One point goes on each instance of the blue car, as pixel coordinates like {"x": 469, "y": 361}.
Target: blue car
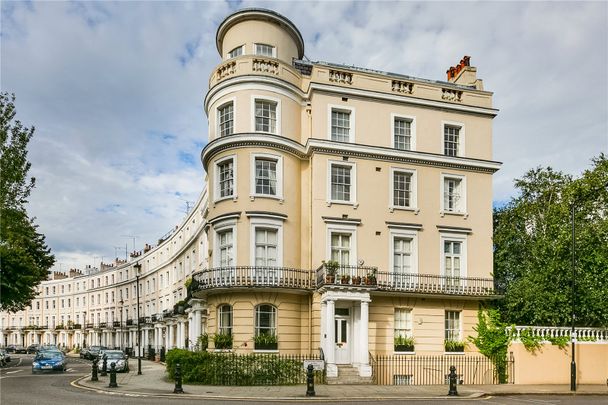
{"x": 48, "y": 361}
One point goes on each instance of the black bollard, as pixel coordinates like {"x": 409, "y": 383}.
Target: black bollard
{"x": 162, "y": 354}
{"x": 113, "y": 376}
{"x": 104, "y": 367}
{"x": 178, "y": 380}
{"x": 94, "y": 370}
{"x": 310, "y": 381}
{"x": 452, "y": 376}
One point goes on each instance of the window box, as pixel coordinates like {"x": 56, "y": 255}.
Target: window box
{"x": 454, "y": 346}
{"x": 404, "y": 343}
{"x": 404, "y": 348}
{"x": 222, "y": 341}
{"x": 266, "y": 346}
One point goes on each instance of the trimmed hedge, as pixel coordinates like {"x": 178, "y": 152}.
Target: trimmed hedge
{"x": 232, "y": 369}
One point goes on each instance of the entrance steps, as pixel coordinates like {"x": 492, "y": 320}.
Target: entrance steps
{"x": 348, "y": 374}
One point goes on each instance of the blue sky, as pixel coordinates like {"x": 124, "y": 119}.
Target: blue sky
{"x": 115, "y": 91}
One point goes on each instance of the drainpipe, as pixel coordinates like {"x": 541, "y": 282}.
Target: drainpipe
{"x": 309, "y": 111}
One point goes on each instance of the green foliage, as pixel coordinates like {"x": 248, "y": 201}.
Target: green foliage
{"x": 404, "y": 341}
{"x": 231, "y": 369}
{"x": 560, "y": 341}
{"x": 493, "y": 339}
{"x": 533, "y": 248}
{"x": 23, "y": 251}
{"x": 188, "y": 282}
{"x": 202, "y": 342}
{"x": 331, "y": 266}
{"x": 454, "y": 345}
{"x": 265, "y": 339}
{"x": 222, "y": 341}
{"x": 531, "y": 342}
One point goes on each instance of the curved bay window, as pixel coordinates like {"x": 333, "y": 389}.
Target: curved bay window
{"x": 265, "y": 337}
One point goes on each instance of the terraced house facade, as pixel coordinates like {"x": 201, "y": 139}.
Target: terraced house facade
{"x": 346, "y": 211}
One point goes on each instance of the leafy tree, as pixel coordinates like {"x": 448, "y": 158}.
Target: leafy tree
{"x": 24, "y": 256}
{"x": 533, "y": 248}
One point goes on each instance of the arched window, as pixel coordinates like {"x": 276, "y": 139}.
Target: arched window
{"x": 224, "y": 316}
{"x": 265, "y": 320}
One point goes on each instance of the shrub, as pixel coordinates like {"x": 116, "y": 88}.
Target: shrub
{"x": 222, "y": 341}
{"x": 454, "y": 345}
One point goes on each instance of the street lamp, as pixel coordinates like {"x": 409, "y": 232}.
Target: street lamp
{"x": 84, "y": 330}
{"x": 137, "y": 268}
{"x": 121, "y": 303}
{"x": 573, "y": 333}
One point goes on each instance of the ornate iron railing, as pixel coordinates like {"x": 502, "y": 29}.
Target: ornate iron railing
{"x": 328, "y": 275}
{"x": 252, "y": 276}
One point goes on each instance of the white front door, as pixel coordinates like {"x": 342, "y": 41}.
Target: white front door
{"x": 342, "y": 338}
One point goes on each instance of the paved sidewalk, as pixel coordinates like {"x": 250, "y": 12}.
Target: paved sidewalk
{"x": 153, "y": 382}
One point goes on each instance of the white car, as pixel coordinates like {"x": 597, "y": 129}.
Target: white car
{"x": 120, "y": 360}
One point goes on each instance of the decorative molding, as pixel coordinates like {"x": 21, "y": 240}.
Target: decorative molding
{"x": 403, "y": 225}
{"x": 340, "y": 220}
{"x": 402, "y": 87}
{"x": 340, "y": 76}
{"x": 266, "y": 214}
{"x": 454, "y": 229}
{"x": 228, "y": 215}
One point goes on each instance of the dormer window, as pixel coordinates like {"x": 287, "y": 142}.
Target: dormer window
{"x": 265, "y": 50}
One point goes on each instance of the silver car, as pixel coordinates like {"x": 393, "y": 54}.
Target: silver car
{"x": 120, "y": 360}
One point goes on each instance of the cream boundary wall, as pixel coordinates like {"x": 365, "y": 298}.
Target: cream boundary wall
{"x": 551, "y": 365}
{"x": 302, "y": 143}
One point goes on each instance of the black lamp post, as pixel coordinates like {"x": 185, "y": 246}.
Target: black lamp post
{"x": 121, "y": 303}
{"x": 137, "y": 268}
{"x": 84, "y": 330}
{"x": 573, "y": 333}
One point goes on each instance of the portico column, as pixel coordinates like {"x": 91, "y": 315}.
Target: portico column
{"x": 169, "y": 336}
{"x": 330, "y": 355}
{"x": 198, "y": 324}
{"x": 365, "y": 369}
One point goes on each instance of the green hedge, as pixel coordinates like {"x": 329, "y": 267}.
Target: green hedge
{"x": 232, "y": 369}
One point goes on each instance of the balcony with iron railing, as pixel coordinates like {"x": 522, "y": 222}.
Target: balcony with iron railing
{"x": 331, "y": 275}
{"x": 252, "y": 276}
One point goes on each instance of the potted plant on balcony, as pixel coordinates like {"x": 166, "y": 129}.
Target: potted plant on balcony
{"x": 222, "y": 341}
{"x": 454, "y": 346}
{"x": 404, "y": 344}
{"x": 356, "y": 280}
{"x": 370, "y": 278}
{"x": 344, "y": 279}
{"x": 331, "y": 268}
{"x": 179, "y": 307}
{"x": 265, "y": 341}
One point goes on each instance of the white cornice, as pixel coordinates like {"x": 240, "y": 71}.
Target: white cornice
{"x": 314, "y": 145}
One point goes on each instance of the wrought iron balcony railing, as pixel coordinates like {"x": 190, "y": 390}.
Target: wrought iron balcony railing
{"x": 252, "y": 276}
{"x": 334, "y": 275}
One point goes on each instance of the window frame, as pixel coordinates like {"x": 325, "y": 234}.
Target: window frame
{"x": 216, "y": 173}
{"x": 218, "y": 124}
{"x": 266, "y": 223}
{"x": 272, "y": 47}
{"x": 412, "y": 121}
{"x": 409, "y": 329}
{"x": 342, "y": 229}
{"x": 413, "y": 189}
{"x": 461, "y": 209}
{"x": 274, "y": 319}
{"x": 277, "y": 102}
{"x": 220, "y": 327}
{"x": 279, "y": 175}
{"x": 219, "y": 229}
{"x": 353, "y": 182}
{"x": 445, "y": 325}
{"x": 404, "y": 234}
{"x": 352, "y": 128}
{"x": 240, "y": 47}
{"x": 461, "y": 138}
{"x": 462, "y": 239}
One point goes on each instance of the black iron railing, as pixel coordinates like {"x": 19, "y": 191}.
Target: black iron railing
{"x": 335, "y": 275}
{"x": 434, "y": 370}
{"x": 253, "y": 276}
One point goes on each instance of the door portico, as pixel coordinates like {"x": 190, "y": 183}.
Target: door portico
{"x": 344, "y": 330}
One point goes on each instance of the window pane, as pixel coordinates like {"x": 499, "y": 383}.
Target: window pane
{"x": 340, "y": 126}
{"x": 265, "y": 116}
{"x": 402, "y": 134}
{"x": 450, "y": 140}
{"x": 265, "y": 177}
{"x": 402, "y": 189}
{"x": 226, "y": 119}
{"x": 340, "y": 183}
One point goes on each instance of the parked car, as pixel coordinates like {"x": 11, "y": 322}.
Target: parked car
{"x": 16, "y": 349}
{"x": 120, "y": 360}
{"x": 5, "y": 358}
{"x": 10, "y": 349}
{"x": 84, "y": 352}
{"x": 48, "y": 360}
{"x": 33, "y": 349}
{"x": 52, "y": 348}
{"x": 94, "y": 351}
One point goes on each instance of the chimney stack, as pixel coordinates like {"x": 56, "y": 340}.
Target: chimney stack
{"x": 465, "y": 74}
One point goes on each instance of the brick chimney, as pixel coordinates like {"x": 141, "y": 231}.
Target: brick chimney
{"x": 59, "y": 276}
{"x": 465, "y": 74}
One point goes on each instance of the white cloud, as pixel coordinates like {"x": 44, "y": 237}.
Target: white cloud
{"x": 115, "y": 91}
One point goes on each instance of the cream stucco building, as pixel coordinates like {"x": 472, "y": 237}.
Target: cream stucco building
{"x": 343, "y": 208}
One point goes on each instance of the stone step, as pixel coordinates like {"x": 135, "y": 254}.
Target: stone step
{"x": 348, "y": 375}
